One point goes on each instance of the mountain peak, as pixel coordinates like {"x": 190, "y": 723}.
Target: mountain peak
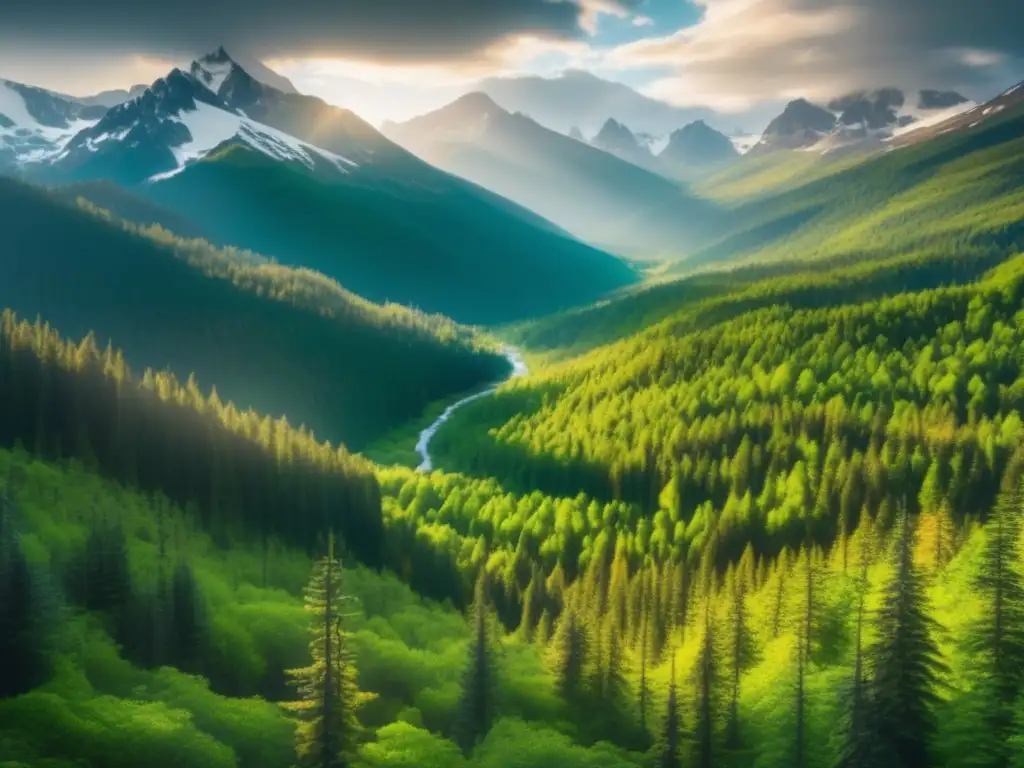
{"x": 213, "y": 69}
{"x": 697, "y": 143}
{"x": 220, "y": 55}
{"x": 475, "y": 101}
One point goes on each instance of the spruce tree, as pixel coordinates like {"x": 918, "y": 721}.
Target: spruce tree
{"x": 327, "y": 729}
{"x": 859, "y": 745}
{"x": 999, "y": 641}
{"x": 23, "y": 662}
{"x": 187, "y": 621}
{"x": 706, "y": 674}
{"x": 906, "y": 664}
{"x": 669, "y": 747}
{"x": 742, "y": 654}
{"x": 476, "y": 705}
{"x": 569, "y": 652}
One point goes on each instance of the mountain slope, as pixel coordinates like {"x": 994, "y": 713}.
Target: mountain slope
{"x": 956, "y": 190}
{"x": 314, "y": 185}
{"x": 288, "y": 342}
{"x": 36, "y": 124}
{"x": 595, "y": 195}
{"x": 698, "y": 145}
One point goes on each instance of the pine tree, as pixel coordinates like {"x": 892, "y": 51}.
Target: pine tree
{"x": 859, "y": 746}
{"x": 999, "y": 640}
{"x": 187, "y": 621}
{"x": 669, "y": 746}
{"x": 325, "y": 736}
{"x": 706, "y": 705}
{"x": 906, "y": 663}
{"x": 644, "y": 644}
{"x": 476, "y": 707}
{"x": 569, "y": 652}
{"x": 742, "y": 653}
{"x": 805, "y": 636}
{"x": 23, "y": 662}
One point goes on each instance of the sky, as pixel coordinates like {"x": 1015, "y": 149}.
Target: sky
{"x": 391, "y": 59}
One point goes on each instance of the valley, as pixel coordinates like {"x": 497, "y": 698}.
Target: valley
{"x": 471, "y": 442}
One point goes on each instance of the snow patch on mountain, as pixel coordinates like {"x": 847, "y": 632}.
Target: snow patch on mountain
{"x": 27, "y": 138}
{"x": 210, "y": 126}
{"x": 929, "y": 118}
{"x": 213, "y": 74}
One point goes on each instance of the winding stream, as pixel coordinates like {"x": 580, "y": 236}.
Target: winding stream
{"x": 423, "y": 443}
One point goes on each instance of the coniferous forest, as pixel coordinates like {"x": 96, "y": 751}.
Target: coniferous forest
{"x": 763, "y": 510}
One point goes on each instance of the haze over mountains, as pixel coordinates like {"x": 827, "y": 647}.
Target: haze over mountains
{"x": 594, "y": 194}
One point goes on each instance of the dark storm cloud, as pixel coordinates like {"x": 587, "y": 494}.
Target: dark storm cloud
{"x": 746, "y": 50}
{"x": 408, "y": 30}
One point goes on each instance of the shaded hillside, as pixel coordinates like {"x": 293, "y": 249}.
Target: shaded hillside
{"x": 449, "y": 249}
{"x": 288, "y": 342}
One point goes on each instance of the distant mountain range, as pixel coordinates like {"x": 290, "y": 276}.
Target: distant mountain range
{"x": 859, "y": 120}
{"x": 309, "y": 184}
{"x": 594, "y": 194}
{"x": 582, "y": 100}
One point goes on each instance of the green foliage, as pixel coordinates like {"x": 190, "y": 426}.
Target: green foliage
{"x": 906, "y": 665}
{"x": 247, "y": 475}
{"x": 285, "y": 341}
{"x": 327, "y": 730}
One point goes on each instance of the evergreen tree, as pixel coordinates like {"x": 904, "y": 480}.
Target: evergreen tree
{"x": 706, "y": 674}
{"x": 187, "y": 621}
{"x": 669, "y": 748}
{"x": 859, "y": 746}
{"x": 999, "y": 639}
{"x": 476, "y": 707}
{"x": 23, "y": 662}
{"x": 906, "y": 664}
{"x": 569, "y": 655}
{"x": 742, "y": 654}
{"x": 327, "y": 728}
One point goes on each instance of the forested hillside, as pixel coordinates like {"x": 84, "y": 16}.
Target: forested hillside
{"x": 162, "y": 626}
{"x": 288, "y": 342}
{"x": 960, "y": 189}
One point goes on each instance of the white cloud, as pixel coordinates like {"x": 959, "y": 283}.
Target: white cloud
{"x": 745, "y": 51}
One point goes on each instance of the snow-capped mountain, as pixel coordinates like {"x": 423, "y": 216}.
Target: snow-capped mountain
{"x": 36, "y": 124}
{"x": 177, "y": 120}
{"x": 801, "y": 124}
{"x": 307, "y": 118}
{"x": 956, "y": 118}
{"x": 858, "y": 120}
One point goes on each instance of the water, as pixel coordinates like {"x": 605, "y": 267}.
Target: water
{"x": 423, "y": 443}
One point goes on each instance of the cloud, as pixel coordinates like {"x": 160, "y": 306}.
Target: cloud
{"x": 393, "y": 30}
{"x": 746, "y": 51}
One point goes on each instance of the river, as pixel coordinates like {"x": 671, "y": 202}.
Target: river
{"x": 423, "y": 443}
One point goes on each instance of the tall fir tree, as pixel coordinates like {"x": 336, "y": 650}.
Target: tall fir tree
{"x": 999, "y": 639}
{"x": 569, "y": 654}
{"x": 476, "y": 707}
{"x": 23, "y": 660}
{"x": 706, "y": 706}
{"x": 859, "y": 740}
{"x": 670, "y": 744}
{"x": 741, "y": 656}
{"x": 906, "y": 664}
{"x": 327, "y": 728}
